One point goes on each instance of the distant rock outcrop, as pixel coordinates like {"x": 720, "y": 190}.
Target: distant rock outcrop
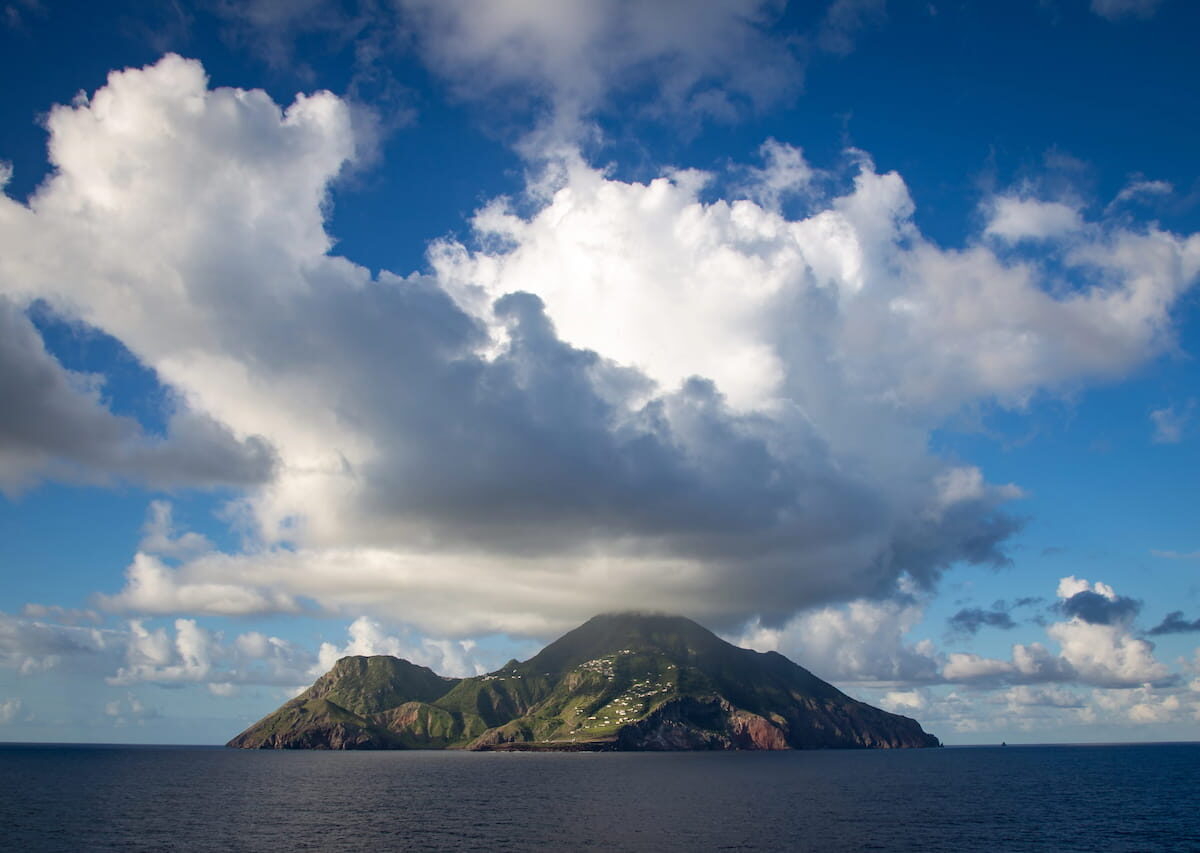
{"x": 625, "y": 681}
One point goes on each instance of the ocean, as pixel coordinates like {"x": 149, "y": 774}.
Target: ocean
{"x": 1143, "y": 797}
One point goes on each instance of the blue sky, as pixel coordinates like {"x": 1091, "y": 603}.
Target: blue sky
{"x": 864, "y": 331}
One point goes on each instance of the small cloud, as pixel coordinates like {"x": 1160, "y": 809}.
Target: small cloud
{"x": 9, "y": 709}
{"x": 1140, "y": 189}
{"x": 1176, "y": 555}
{"x": 1026, "y": 696}
{"x": 1116, "y": 9}
{"x": 970, "y": 620}
{"x": 1013, "y": 219}
{"x": 159, "y": 536}
{"x": 129, "y": 710}
{"x": 844, "y": 19}
{"x": 15, "y": 15}
{"x": 61, "y": 615}
{"x": 1174, "y": 623}
{"x": 1171, "y": 422}
{"x": 784, "y": 173}
{"x": 905, "y": 701}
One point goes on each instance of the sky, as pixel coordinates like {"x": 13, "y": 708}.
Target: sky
{"x": 863, "y": 331}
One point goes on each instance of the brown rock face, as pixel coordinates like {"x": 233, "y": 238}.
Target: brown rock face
{"x": 689, "y": 723}
{"x": 701, "y": 724}
{"x": 750, "y": 731}
{"x": 819, "y": 724}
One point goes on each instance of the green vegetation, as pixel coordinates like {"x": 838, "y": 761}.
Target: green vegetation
{"x": 628, "y": 681}
{"x": 368, "y": 685}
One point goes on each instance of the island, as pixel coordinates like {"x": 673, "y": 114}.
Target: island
{"x": 620, "y": 681}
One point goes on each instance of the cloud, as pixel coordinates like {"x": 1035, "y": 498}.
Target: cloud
{"x": 1140, "y": 189}
{"x": 614, "y": 393}
{"x": 784, "y": 173}
{"x": 551, "y": 64}
{"x": 129, "y": 709}
{"x": 1024, "y": 696}
{"x": 1114, "y": 10}
{"x": 367, "y": 637}
{"x": 159, "y": 536}
{"x": 970, "y": 619}
{"x": 193, "y": 654}
{"x": 61, "y": 615}
{"x": 1097, "y": 646}
{"x": 185, "y": 652}
{"x": 1170, "y": 423}
{"x": 1145, "y": 705}
{"x": 860, "y": 642}
{"x": 1174, "y": 623}
{"x": 152, "y": 587}
{"x": 1013, "y": 219}
{"x": 609, "y": 259}
{"x": 1030, "y": 664}
{"x": 54, "y": 424}
{"x": 16, "y": 15}
{"x": 1038, "y": 691}
{"x": 1176, "y": 555}
{"x": 370, "y": 34}
{"x": 9, "y": 709}
{"x": 710, "y": 59}
{"x": 844, "y": 19}
{"x": 905, "y": 701}
{"x": 256, "y": 658}
{"x": 31, "y": 646}
{"x": 153, "y": 655}
{"x": 270, "y": 28}
{"x": 562, "y": 62}
{"x": 1045, "y": 708}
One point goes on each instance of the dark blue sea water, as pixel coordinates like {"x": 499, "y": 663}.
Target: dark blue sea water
{"x": 1057, "y": 798}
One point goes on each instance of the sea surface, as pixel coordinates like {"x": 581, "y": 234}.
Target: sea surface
{"x": 1059, "y": 798}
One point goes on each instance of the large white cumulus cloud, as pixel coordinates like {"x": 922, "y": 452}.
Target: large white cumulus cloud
{"x": 628, "y": 397}
{"x": 849, "y": 299}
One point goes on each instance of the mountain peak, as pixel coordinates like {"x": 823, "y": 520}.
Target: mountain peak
{"x": 627, "y": 631}
{"x": 646, "y": 621}
{"x": 369, "y": 684}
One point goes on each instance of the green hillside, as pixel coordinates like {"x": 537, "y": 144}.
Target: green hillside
{"x": 619, "y": 681}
